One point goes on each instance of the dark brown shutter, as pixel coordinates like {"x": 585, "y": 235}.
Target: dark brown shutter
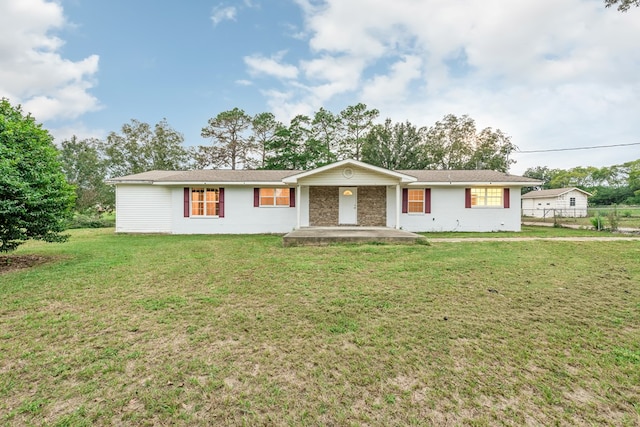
{"x": 221, "y": 203}
{"x": 256, "y": 197}
{"x": 467, "y": 197}
{"x": 186, "y": 202}
{"x": 506, "y": 198}
{"x": 405, "y": 200}
{"x": 292, "y": 197}
{"x": 427, "y": 200}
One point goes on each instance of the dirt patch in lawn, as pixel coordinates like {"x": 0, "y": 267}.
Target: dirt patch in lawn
{"x": 10, "y": 263}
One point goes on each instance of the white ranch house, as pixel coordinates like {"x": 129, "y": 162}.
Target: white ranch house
{"x": 561, "y": 202}
{"x": 348, "y": 192}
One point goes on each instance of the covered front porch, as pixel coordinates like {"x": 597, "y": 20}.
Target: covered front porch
{"x": 349, "y": 193}
{"x": 364, "y": 206}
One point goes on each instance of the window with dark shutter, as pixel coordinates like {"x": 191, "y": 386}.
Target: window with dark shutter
{"x": 405, "y": 200}
{"x": 221, "y": 203}
{"x": 292, "y": 197}
{"x": 506, "y": 198}
{"x": 186, "y": 202}
{"x": 427, "y": 200}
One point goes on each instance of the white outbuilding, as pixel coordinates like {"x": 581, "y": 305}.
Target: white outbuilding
{"x": 556, "y": 202}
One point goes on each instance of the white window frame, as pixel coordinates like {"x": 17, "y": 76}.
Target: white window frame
{"x": 275, "y": 197}
{"x": 482, "y": 194}
{"x": 409, "y": 201}
{"x": 216, "y": 202}
{"x": 572, "y": 202}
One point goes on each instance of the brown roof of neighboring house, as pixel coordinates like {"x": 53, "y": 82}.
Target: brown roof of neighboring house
{"x": 553, "y": 192}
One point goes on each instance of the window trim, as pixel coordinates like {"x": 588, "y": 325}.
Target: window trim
{"x": 426, "y": 201}
{"x": 257, "y": 197}
{"x": 189, "y": 203}
{"x": 502, "y": 191}
{"x": 572, "y": 202}
{"x": 409, "y": 201}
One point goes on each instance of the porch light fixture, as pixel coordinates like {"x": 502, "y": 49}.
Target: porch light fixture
{"x": 347, "y": 193}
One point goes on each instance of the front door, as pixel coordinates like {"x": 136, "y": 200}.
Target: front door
{"x": 348, "y": 206}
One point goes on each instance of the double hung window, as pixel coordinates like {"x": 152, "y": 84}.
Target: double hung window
{"x": 486, "y": 197}
{"x": 205, "y": 201}
{"x": 274, "y": 197}
{"x": 415, "y": 199}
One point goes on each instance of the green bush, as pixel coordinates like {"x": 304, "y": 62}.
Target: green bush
{"x": 597, "y": 222}
{"x": 81, "y": 220}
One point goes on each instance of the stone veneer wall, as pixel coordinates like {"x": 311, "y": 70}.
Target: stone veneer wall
{"x": 323, "y": 206}
{"x": 372, "y": 206}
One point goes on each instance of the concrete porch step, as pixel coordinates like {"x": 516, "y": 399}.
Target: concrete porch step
{"x": 319, "y": 236}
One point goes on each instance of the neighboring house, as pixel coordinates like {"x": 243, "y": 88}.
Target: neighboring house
{"x": 563, "y": 202}
{"x": 347, "y": 192}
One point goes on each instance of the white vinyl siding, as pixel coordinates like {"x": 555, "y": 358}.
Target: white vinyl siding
{"x": 143, "y": 209}
{"x": 448, "y": 213}
{"x": 348, "y": 177}
{"x": 560, "y": 205}
{"x": 240, "y": 217}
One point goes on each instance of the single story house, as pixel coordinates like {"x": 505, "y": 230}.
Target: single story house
{"x": 347, "y": 192}
{"x": 561, "y": 202}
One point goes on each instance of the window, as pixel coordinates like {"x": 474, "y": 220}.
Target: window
{"x": 416, "y": 201}
{"x": 205, "y": 202}
{"x": 274, "y": 197}
{"x": 487, "y": 197}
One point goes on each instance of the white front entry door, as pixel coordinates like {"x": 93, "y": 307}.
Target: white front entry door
{"x": 348, "y": 206}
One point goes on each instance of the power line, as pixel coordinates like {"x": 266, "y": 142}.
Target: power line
{"x": 576, "y": 148}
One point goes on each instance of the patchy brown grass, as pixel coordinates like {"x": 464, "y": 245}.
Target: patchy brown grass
{"x": 236, "y": 330}
{"x": 10, "y": 263}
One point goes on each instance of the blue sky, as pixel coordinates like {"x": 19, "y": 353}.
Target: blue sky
{"x": 549, "y": 73}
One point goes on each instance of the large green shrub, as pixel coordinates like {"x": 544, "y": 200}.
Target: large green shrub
{"x": 35, "y": 198}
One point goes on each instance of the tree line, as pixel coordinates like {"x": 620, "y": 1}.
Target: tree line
{"x": 609, "y": 185}
{"x": 237, "y": 140}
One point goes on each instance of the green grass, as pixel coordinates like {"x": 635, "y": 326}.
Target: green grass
{"x": 237, "y": 330}
{"x": 628, "y": 217}
{"x": 527, "y": 231}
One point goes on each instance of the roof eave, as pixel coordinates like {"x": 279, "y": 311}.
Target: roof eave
{"x": 137, "y": 181}
{"x": 226, "y": 183}
{"x": 475, "y": 183}
{"x": 403, "y": 178}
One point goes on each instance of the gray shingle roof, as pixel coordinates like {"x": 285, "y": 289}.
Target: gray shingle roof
{"x": 465, "y": 176}
{"x": 207, "y": 175}
{"x": 271, "y": 176}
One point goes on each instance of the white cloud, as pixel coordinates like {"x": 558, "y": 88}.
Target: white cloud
{"x": 550, "y": 74}
{"x": 221, "y": 13}
{"x": 258, "y": 64}
{"x": 393, "y": 87}
{"x": 77, "y": 129}
{"x": 32, "y": 71}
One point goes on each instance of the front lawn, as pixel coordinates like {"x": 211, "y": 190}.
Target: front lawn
{"x": 237, "y": 330}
